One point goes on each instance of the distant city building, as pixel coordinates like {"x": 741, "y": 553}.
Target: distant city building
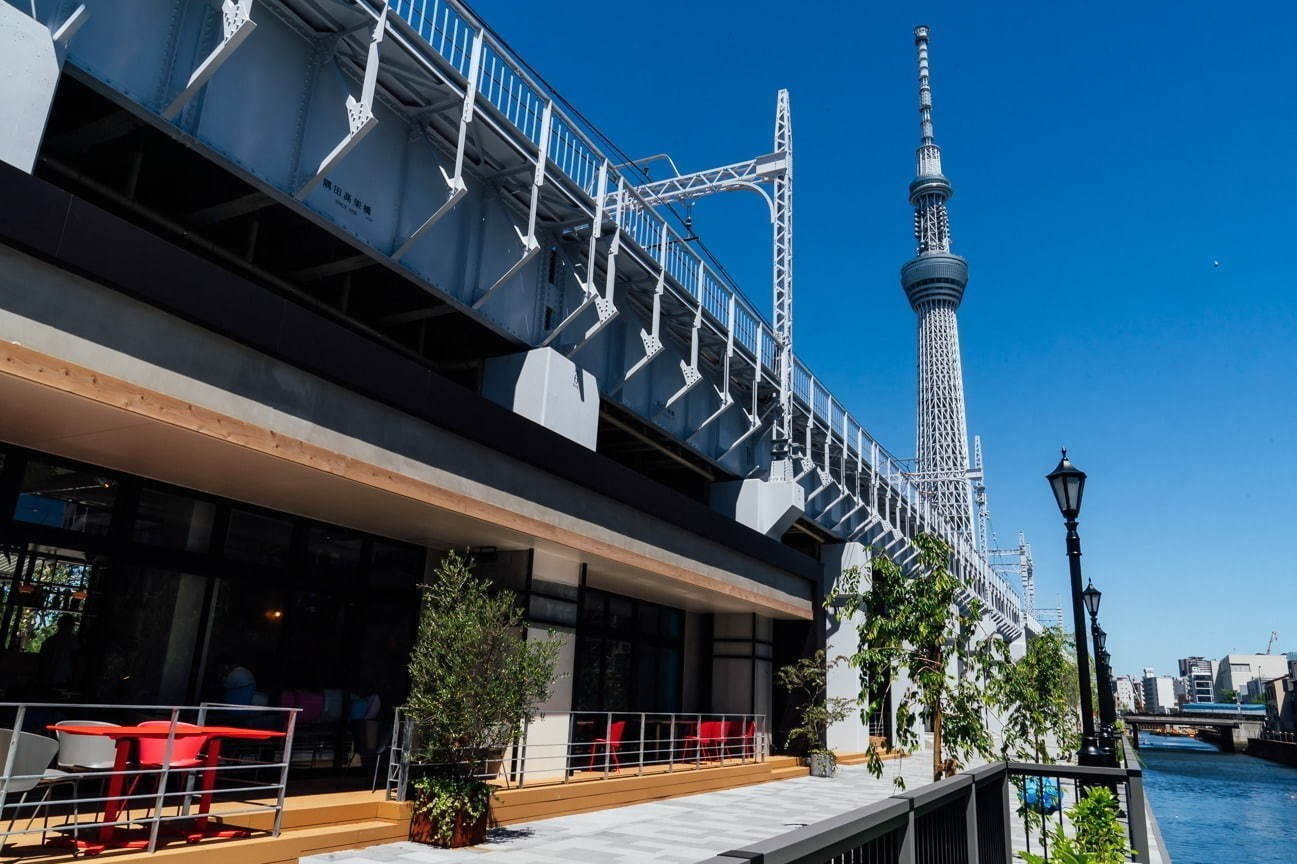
{"x": 1281, "y": 704}
{"x": 1124, "y": 689}
{"x": 1199, "y": 676}
{"x": 1159, "y": 693}
{"x": 1235, "y": 671}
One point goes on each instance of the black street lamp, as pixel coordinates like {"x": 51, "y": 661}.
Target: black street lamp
{"x": 1068, "y": 483}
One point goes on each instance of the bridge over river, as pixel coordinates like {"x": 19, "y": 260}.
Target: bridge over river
{"x": 1231, "y": 730}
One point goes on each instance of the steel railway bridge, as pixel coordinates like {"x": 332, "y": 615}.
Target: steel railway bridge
{"x": 395, "y": 165}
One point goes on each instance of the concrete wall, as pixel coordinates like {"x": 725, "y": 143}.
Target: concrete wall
{"x": 29, "y": 74}
{"x": 841, "y": 639}
{"x": 66, "y": 317}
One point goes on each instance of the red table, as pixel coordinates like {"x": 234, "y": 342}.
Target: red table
{"x": 124, "y": 736}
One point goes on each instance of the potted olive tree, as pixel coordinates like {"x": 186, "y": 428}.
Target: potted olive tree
{"x": 805, "y": 681}
{"x": 475, "y": 681}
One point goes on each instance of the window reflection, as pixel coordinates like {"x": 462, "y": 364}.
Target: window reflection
{"x": 173, "y": 521}
{"x": 258, "y": 538}
{"x": 63, "y": 497}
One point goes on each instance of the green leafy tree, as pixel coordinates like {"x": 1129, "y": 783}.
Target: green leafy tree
{"x": 919, "y": 627}
{"x": 1097, "y": 834}
{"x": 475, "y": 680}
{"x": 806, "y": 681}
{"x": 1036, "y": 695}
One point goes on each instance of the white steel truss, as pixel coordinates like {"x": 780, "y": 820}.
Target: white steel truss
{"x": 776, "y": 170}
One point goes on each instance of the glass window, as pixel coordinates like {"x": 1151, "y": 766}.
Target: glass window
{"x": 552, "y": 603}
{"x": 61, "y": 497}
{"x": 396, "y": 565}
{"x": 333, "y": 552}
{"x": 146, "y": 629}
{"x": 42, "y": 645}
{"x": 173, "y": 521}
{"x": 256, "y": 538}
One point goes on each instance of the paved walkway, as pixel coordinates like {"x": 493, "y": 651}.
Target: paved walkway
{"x": 677, "y": 831}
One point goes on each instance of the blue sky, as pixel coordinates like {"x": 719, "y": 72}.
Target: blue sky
{"x": 1103, "y": 156}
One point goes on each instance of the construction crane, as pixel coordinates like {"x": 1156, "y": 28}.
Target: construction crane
{"x": 1270, "y": 644}
{"x": 774, "y": 170}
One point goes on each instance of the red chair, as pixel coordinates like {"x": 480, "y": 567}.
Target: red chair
{"x": 742, "y": 736}
{"x": 185, "y": 753}
{"x": 616, "y": 731}
{"x": 708, "y": 738}
{"x": 184, "y": 749}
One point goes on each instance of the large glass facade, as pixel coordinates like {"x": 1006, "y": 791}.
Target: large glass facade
{"x": 114, "y": 588}
{"x": 629, "y": 654}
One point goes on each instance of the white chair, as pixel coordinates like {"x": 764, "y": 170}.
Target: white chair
{"x": 30, "y": 771}
{"x": 85, "y": 752}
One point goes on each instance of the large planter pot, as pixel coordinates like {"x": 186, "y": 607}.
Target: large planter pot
{"x": 822, "y": 764}
{"x": 467, "y": 832}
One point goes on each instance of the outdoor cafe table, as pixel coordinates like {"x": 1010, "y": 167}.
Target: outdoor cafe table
{"x": 125, "y": 736}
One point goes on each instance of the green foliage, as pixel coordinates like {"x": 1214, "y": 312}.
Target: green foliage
{"x": 1098, "y": 837}
{"x": 1035, "y": 693}
{"x": 805, "y": 681}
{"x": 442, "y": 799}
{"x": 474, "y": 677}
{"x": 1229, "y": 695}
{"x": 918, "y": 626}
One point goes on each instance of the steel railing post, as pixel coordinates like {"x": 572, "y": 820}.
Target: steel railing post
{"x": 1006, "y": 824}
{"x": 671, "y": 748}
{"x": 283, "y": 771}
{"x": 1135, "y": 813}
{"x": 905, "y": 854}
{"x": 522, "y": 770}
{"x": 698, "y": 742}
{"x": 643, "y": 732}
{"x": 163, "y": 777}
{"x": 607, "y": 744}
{"x": 970, "y": 824}
{"x": 11, "y": 754}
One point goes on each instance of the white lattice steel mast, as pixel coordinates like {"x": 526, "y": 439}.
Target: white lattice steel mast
{"x": 934, "y": 283}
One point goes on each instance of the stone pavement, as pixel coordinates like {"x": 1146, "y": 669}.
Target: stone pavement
{"x": 676, "y": 831}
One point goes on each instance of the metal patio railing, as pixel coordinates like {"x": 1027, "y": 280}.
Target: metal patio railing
{"x": 971, "y": 818}
{"x": 250, "y": 774}
{"x": 576, "y": 746}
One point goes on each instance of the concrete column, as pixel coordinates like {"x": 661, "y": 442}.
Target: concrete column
{"x": 547, "y": 388}
{"x": 841, "y": 640}
{"x": 29, "y": 74}
{"x": 545, "y": 753}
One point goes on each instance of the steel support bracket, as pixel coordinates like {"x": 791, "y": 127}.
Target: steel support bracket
{"x": 236, "y": 26}
{"x": 688, "y": 368}
{"x": 63, "y": 34}
{"x": 455, "y": 185}
{"x": 360, "y": 112}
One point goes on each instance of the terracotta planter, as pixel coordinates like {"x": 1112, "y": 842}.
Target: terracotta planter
{"x": 466, "y": 833}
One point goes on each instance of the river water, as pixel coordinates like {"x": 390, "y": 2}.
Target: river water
{"x": 1219, "y": 808}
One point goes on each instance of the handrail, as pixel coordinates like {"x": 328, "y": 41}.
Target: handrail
{"x": 968, "y": 817}
{"x": 201, "y": 780}
{"x": 596, "y": 745}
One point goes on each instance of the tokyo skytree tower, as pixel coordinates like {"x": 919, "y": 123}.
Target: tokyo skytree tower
{"x": 934, "y": 282}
